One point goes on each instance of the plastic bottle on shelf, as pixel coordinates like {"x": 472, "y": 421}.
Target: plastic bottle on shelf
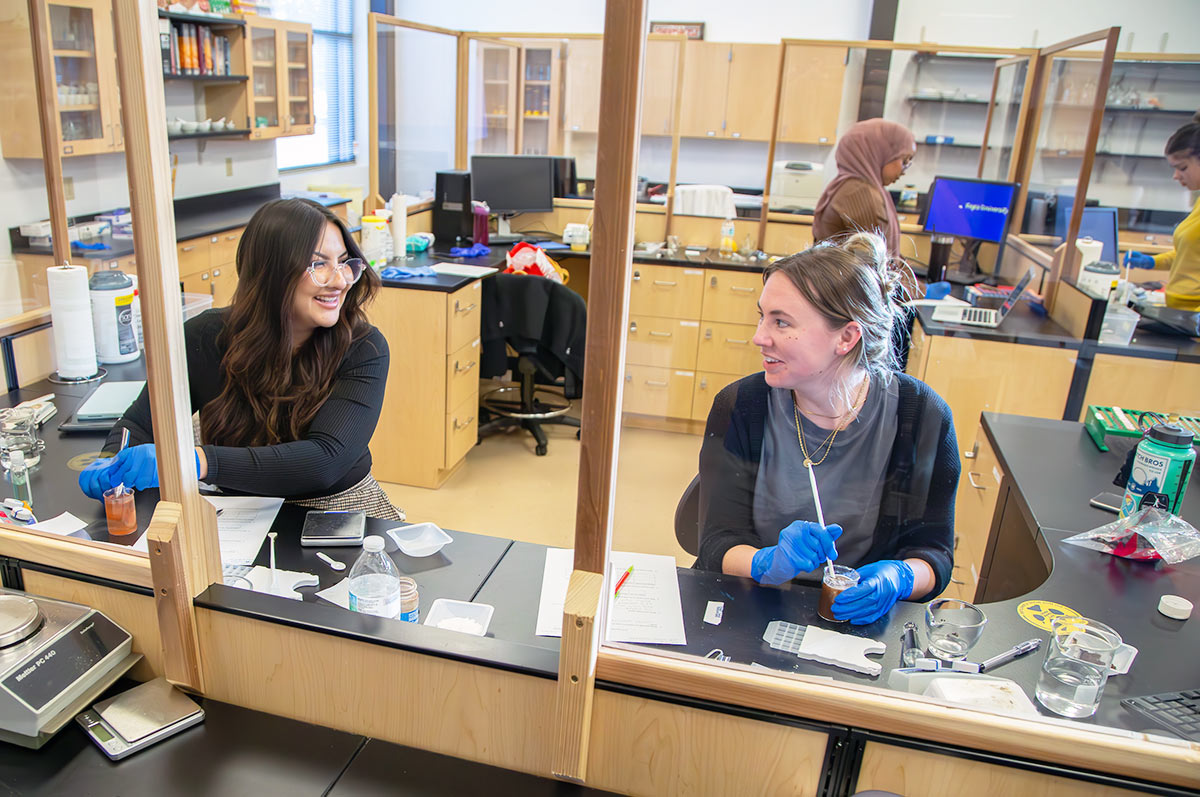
{"x": 728, "y": 231}
{"x": 374, "y": 581}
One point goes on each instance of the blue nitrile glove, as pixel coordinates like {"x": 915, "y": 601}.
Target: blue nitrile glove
{"x": 937, "y": 290}
{"x": 880, "y": 585}
{"x": 1139, "y": 260}
{"x": 98, "y": 477}
{"x": 803, "y": 547}
{"x": 137, "y": 467}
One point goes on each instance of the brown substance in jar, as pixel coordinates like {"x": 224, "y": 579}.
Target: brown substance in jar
{"x": 830, "y": 589}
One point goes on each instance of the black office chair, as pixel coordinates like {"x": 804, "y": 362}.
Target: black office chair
{"x": 534, "y": 327}
{"x": 687, "y": 518}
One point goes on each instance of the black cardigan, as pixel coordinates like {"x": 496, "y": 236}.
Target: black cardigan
{"x": 916, "y": 511}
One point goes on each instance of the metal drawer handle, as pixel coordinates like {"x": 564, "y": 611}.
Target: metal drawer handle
{"x": 213, "y": 240}
{"x": 204, "y": 276}
{"x": 971, "y": 478}
{"x": 216, "y": 272}
{"x": 704, "y": 384}
{"x": 458, "y": 370}
{"x": 712, "y": 281}
{"x": 637, "y": 275}
{"x": 956, "y": 581}
{"x": 741, "y": 289}
{"x": 658, "y": 334}
{"x": 735, "y": 340}
{"x": 633, "y": 326}
{"x": 466, "y": 309}
{"x": 458, "y": 428}
{"x": 231, "y": 237}
{"x": 708, "y": 333}
{"x": 667, "y": 283}
{"x": 974, "y": 450}
{"x": 655, "y": 383}
{"x": 188, "y": 248}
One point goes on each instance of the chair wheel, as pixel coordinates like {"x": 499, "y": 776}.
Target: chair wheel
{"x": 540, "y": 450}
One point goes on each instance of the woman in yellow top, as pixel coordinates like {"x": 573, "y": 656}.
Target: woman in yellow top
{"x": 1183, "y": 284}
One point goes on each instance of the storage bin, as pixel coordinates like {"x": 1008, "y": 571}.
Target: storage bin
{"x": 195, "y": 303}
{"x": 1119, "y": 324}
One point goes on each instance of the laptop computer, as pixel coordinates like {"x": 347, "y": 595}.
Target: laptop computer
{"x": 980, "y": 316}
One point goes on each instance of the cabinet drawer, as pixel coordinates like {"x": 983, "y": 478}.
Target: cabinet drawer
{"x": 666, "y": 291}
{"x": 462, "y": 316}
{"x": 665, "y": 392}
{"x": 666, "y": 342}
{"x": 731, "y": 296}
{"x": 462, "y": 374}
{"x": 224, "y": 247}
{"x": 461, "y": 430}
{"x": 728, "y": 349}
{"x": 193, "y": 256}
{"x": 708, "y": 385}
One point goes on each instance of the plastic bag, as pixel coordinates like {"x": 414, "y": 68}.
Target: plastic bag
{"x": 1149, "y": 534}
{"x": 525, "y": 258}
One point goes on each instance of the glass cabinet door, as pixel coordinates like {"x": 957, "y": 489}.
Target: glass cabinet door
{"x": 492, "y": 99}
{"x": 265, "y": 119}
{"x": 86, "y": 123}
{"x": 299, "y": 111}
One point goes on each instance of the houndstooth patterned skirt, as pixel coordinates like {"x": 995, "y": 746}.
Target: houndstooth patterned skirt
{"x": 367, "y": 495}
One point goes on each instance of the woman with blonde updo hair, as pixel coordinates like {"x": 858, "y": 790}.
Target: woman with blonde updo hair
{"x": 881, "y": 444}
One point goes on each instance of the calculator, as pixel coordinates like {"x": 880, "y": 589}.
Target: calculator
{"x": 140, "y": 717}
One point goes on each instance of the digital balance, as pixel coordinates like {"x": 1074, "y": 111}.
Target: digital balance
{"x": 55, "y": 658}
{"x": 136, "y": 719}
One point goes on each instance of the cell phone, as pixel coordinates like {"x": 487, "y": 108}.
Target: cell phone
{"x": 330, "y": 527}
{"x": 1109, "y": 502}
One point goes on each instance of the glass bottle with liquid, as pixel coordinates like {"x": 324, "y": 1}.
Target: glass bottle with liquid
{"x": 18, "y": 474}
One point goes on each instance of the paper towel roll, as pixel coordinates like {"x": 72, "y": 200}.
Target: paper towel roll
{"x": 71, "y": 316}
{"x": 1090, "y": 251}
{"x": 399, "y": 225}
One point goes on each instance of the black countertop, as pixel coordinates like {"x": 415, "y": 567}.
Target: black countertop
{"x": 194, "y": 217}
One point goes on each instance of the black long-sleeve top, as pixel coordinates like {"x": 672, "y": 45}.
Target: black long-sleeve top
{"x": 916, "y": 511}
{"x": 332, "y": 456}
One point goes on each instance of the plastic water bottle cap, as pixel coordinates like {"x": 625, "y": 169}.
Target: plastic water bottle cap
{"x": 374, "y": 543}
{"x": 1175, "y": 607}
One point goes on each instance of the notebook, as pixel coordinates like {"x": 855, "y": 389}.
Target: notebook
{"x": 981, "y": 316}
{"x": 109, "y": 401}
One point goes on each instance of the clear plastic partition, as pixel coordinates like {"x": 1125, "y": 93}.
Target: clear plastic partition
{"x": 417, "y": 89}
{"x": 1008, "y": 95}
{"x": 1146, "y": 102}
{"x": 492, "y": 97}
{"x": 1057, "y": 164}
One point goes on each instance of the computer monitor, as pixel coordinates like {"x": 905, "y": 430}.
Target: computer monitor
{"x": 964, "y": 208}
{"x": 565, "y": 179}
{"x": 512, "y": 184}
{"x": 1100, "y": 224}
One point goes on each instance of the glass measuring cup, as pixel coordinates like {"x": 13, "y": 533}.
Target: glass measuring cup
{"x": 1075, "y": 670}
{"x": 18, "y": 430}
{"x": 953, "y": 627}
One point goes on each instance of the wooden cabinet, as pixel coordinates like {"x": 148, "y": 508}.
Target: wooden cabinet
{"x": 430, "y": 408}
{"x": 581, "y": 78}
{"x": 1143, "y": 384}
{"x": 659, "y": 81}
{"x": 278, "y": 58}
{"x": 690, "y": 334}
{"x": 84, "y": 89}
{"x": 207, "y": 265}
{"x": 492, "y": 105}
{"x": 975, "y": 505}
{"x": 724, "y": 86}
{"x": 812, "y": 94}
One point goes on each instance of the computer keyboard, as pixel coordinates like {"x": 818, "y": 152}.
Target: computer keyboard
{"x": 977, "y": 315}
{"x": 1179, "y": 712}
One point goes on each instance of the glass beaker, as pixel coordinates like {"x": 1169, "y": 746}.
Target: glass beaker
{"x": 953, "y": 627}
{"x": 120, "y": 511}
{"x": 1076, "y": 666}
{"x": 833, "y": 584}
{"x": 18, "y": 430}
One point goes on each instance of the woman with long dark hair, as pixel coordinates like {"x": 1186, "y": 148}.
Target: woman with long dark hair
{"x": 288, "y": 380}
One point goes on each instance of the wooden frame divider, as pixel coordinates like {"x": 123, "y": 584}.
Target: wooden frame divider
{"x": 43, "y": 76}
{"x": 608, "y": 298}
{"x": 1022, "y": 112}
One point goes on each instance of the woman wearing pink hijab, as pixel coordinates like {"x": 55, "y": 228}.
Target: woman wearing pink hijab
{"x": 872, "y": 154}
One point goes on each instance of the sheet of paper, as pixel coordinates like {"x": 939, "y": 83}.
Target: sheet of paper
{"x": 648, "y": 610}
{"x": 462, "y": 270}
{"x": 242, "y": 525}
{"x": 66, "y": 523}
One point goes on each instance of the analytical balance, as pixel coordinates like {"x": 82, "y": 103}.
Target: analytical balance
{"x": 55, "y": 658}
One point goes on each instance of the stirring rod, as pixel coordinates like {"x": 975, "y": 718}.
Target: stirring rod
{"x": 812, "y": 482}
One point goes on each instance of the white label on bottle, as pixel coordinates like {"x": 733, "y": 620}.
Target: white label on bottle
{"x": 380, "y": 607}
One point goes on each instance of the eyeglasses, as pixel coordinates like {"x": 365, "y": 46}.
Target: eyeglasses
{"x": 321, "y": 271}
{"x": 907, "y": 162}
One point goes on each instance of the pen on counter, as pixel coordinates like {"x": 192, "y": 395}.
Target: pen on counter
{"x": 1012, "y": 653}
{"x": 621, "y": 582}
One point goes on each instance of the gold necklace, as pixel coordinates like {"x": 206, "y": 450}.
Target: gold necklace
{"x": 828, "y": 441}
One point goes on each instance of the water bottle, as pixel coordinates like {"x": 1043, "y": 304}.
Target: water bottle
{"x": 1161, "y": 468}
{"x": 374, "y": 581}
{"x": 728, "y": 244}
{"x": 18, "y": 473}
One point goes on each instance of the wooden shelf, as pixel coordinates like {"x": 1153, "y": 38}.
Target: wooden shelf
{"x": 237, "y": 132}
{"x": 72, "y": 54}
{"x": 298, "y": 99}
{"x": 537, "y": 116}
{"x": 78, "y": 108}
{"x": 496, "y": 82}
{"x": 206, "y": 78}
{"x": 203, "y": 19}
{"x": 262, "y": 98}
{"x": 961, "y": 101}
{"x": 537, "y": 82}
{"x": 495, "y": 116}
{"x": 263, "y": 64}
{"x": 297, "y": 66}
